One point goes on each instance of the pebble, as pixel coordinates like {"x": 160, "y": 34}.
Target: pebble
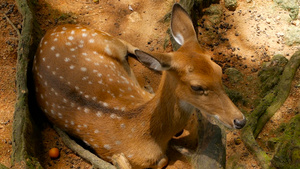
{"x": 237, "y": 141}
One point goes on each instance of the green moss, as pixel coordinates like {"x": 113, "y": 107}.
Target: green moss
{"x": 231, "y": 4}
{"x": 234, "y": 75}
{"x": 290, "y": 5}
{"x": 270, "y": 73}
{"x": 235, "y": 96}
{"x": 292, "y": 35}
{"x": 3, "y": 166}
{"x": 288, "y": 149}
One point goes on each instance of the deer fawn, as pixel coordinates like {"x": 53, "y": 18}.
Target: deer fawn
{"x": 85, "y": 86}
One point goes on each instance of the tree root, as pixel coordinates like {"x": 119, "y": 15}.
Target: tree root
{"x": 85, "y": 154}
{"x": 25, "y": 133}
{"x": 266, "y": 109}
{"x": 282, "y": 91}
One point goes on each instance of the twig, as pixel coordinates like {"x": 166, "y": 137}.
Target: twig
{"x": 10, "y": 22}
{"x": 85, "y": 154}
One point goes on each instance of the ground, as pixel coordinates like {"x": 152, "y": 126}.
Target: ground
{"x": 250, "y": 35}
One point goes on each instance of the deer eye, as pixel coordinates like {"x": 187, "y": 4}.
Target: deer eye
{"x": 198, "y": 89}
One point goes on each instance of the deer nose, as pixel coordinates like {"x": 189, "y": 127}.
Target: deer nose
{"x": 238, "y": 124}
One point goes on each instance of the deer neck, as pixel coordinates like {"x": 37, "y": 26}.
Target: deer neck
{"x": 170, "y": 114}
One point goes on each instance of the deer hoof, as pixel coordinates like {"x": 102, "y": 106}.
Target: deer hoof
{"x": 121, "y": 162}
{"x": 162, "y": 162}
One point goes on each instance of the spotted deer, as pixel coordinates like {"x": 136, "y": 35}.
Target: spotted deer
{"x": 85, "y": 86}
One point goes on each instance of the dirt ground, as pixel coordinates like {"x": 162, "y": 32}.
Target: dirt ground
{"x": 251, "y": 34}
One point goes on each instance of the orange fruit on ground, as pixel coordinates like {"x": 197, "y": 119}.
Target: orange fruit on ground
{"x": 54, "y": 153}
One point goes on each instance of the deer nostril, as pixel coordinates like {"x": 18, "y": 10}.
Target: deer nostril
{"x": 238, "y": 124}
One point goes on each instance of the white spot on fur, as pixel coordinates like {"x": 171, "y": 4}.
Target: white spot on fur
{"x": 83, "y": 69}
{"x": 86, "y": 110}
{"x": 113, "y": 116}
{"x": 91, "y": 40}
{"x": 70, "y": 37}
{"x": 105, "y": 104}
{"x": 118, "y": 142}
{"x": 67, "y": 59}
{"x": 122, "y": 126}
{"x": 107, "y": 146}
{"x": 99, "y": 114}
{"x": 84, "y": 35}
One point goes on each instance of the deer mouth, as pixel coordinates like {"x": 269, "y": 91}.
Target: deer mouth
{"x": 215, "y": 119}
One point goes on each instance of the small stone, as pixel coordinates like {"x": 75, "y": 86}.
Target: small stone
{"x": 237, "y": 141}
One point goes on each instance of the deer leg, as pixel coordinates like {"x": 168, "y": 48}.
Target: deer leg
{"x": 121, "y": 162}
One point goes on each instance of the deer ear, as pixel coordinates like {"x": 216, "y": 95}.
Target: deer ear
{"x": 155, "y": 61}
{"x": 181, "y": 25}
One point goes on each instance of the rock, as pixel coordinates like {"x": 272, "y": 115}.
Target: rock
{"x": 231, "y": 4}
{"x": 289, "y": 5}
{"x": 292, "y": 36}
{"x": 270, "y": 73}
{"x": 234, "y": 75}
{"x": 237, "y": 141}
{"x": 288, "y": 149}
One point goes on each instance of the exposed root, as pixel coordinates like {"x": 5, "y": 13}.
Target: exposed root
{"x": 85, "y": 154}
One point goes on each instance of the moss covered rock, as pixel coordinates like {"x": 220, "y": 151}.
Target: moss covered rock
{"x": 270, "y": 73}
{"x": 290, "y": 5}
{"x": 231, "y": 4}
{"x": 288, "y": 149}
{"x": 292, "y": 35}
{"x": 234, "y": 75}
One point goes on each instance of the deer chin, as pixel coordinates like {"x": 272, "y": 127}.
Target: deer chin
{"x": 215, "y": 119}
